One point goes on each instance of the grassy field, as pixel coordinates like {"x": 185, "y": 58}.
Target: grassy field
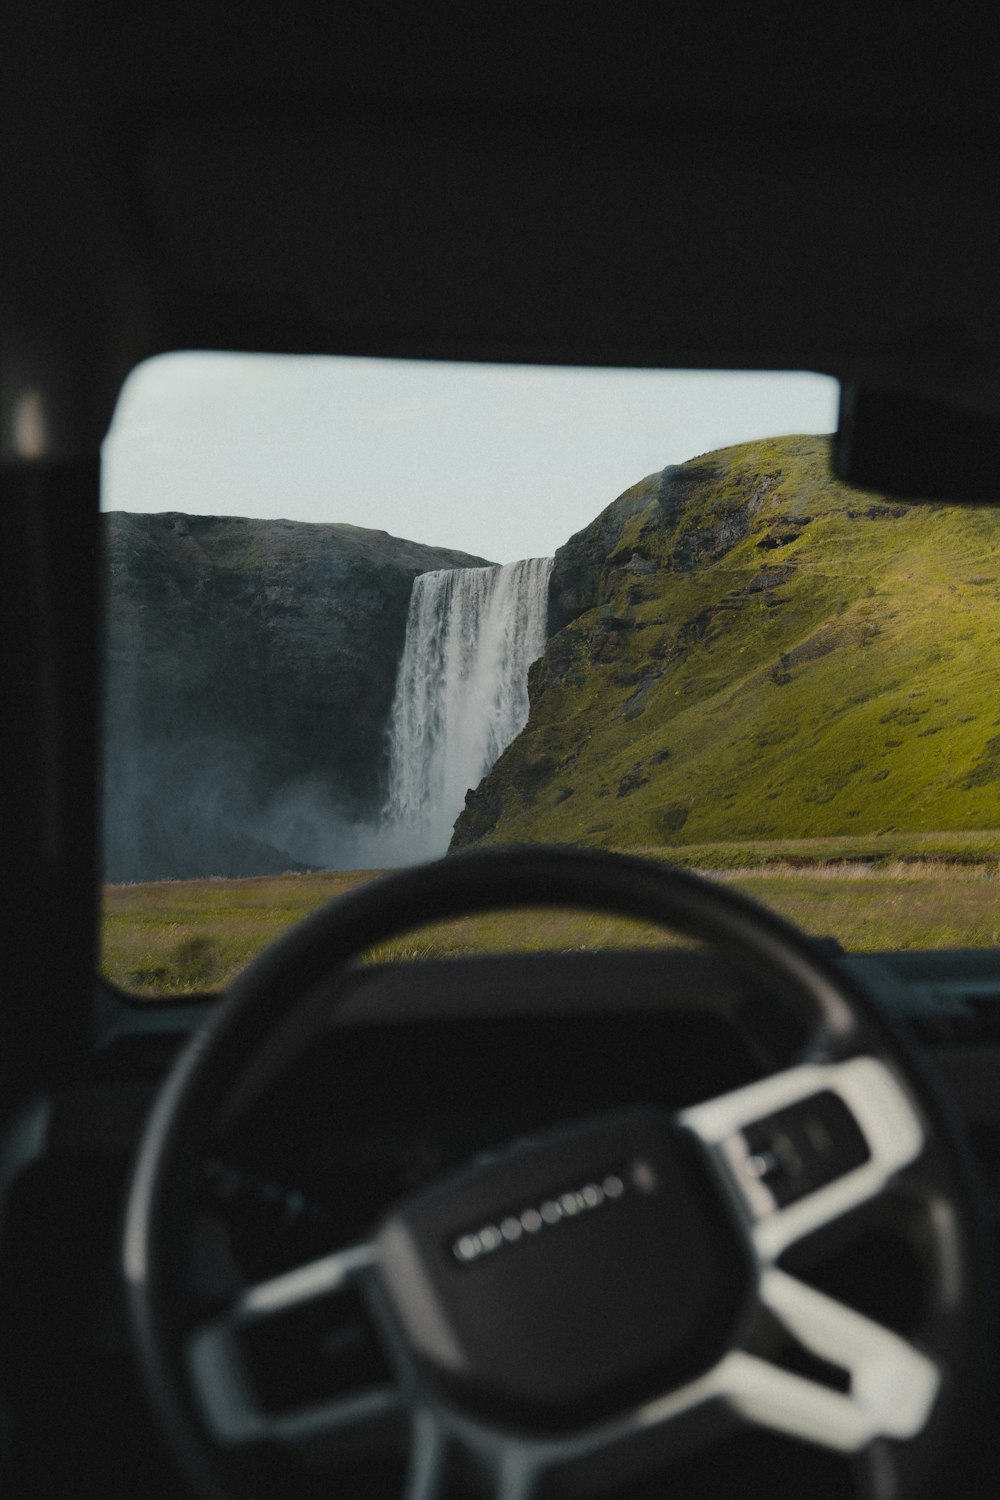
{"x": 935, "y": 890}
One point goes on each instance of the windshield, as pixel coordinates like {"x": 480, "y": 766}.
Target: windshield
{"x": 360, "y": 613}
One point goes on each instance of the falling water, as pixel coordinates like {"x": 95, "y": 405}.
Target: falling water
{"x": 461, "y": 691}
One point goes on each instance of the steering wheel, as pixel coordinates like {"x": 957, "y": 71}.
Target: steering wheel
{"x": 581, "y": 1309}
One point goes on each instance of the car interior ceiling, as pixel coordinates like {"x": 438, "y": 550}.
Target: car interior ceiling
{"x": 675, "y": 192}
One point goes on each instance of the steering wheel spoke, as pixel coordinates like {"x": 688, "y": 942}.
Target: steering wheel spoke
{"x": 298, "y": 1358}
{"x": 806, "y": 1146}
{"x": 892, "y": 1385}
{"x": 508, "y": 1469}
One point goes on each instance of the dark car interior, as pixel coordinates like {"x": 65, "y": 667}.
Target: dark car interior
{"x": 677, "y": 189}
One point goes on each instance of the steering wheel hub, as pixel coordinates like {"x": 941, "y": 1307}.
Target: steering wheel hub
{"x": 587, "y": 1272}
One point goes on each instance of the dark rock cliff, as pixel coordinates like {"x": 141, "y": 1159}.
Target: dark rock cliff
{"x": 251, "y": 667}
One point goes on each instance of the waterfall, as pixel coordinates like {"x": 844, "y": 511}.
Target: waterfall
{"x": 461, "y": 690}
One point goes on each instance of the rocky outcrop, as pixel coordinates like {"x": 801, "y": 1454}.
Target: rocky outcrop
{"x": 679, "y": 519}
{"x": 251, "y": 667}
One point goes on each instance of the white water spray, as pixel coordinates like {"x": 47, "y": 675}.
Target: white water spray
{"x": 461, "y": 691}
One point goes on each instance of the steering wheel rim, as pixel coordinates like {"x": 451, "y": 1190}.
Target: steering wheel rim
{"x": 843, "y": 1025}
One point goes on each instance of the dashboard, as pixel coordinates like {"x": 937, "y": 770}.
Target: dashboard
{"x": 391, "y": 1076}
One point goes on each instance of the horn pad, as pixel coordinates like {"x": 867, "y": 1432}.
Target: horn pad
{"x": 594, "y": 1267}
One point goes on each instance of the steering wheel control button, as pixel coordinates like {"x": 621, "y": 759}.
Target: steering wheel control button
{"x": 804, "y": 1147}
{"x": 568, "y": 1282}
{"x": 313, "y": 1352}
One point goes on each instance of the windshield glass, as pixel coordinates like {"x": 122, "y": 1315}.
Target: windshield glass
{"x": 360, "y": 613}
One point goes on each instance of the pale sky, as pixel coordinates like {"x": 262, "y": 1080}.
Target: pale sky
{"x": 501, "y": 461}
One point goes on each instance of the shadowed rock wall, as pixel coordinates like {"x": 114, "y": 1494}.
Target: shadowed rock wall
{"x": 251, "y": 667}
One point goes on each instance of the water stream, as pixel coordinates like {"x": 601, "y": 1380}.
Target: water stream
{"x": 461, "y": 691}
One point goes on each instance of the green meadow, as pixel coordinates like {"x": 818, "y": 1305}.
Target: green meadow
{"x": 168, "y": 939}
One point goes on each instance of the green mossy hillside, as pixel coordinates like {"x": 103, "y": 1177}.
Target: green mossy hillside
{"x": 743, "y": 648}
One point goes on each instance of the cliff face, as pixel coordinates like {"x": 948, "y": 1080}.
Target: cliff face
{"x": 251, "y": 667}
{"x": 744, "y": 648}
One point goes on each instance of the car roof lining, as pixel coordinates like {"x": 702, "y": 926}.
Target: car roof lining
{"x": 677, "y": 190}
